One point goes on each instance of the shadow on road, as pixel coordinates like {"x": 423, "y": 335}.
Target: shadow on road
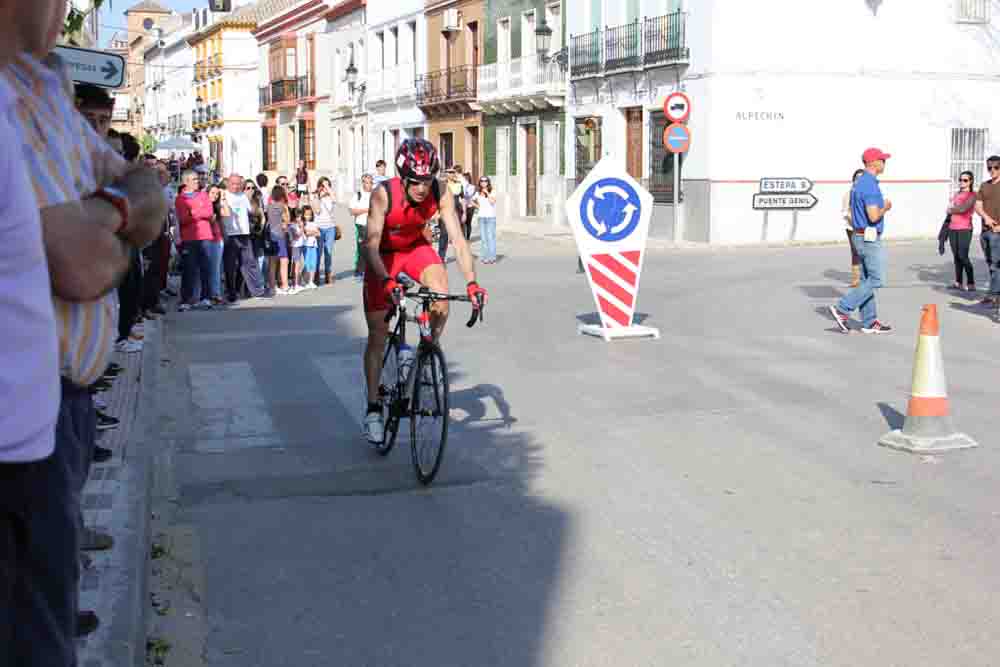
{"x": 319, "y": 552}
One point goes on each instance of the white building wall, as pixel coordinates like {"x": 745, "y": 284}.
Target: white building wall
{"x": 348, "y": 119}
{"x": 241, "y": 149}
{"x": 768, "y": 101}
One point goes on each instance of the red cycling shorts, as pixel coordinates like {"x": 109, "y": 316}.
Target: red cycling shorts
{"x": 412, "y": 262}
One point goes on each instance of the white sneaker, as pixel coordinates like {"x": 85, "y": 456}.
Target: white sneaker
{"x": 128, "y": 346}
{"x": 312, "y": 286}
{"x": 295, "y": 289}
{"x": 206, "y": 304}
{"x": 281, "y": 292}
{"x": 184, "y": 307}
{"x": 374, "y": 429}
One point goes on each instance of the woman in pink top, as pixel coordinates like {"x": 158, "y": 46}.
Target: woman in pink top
{"x": 194, "y": 213}
{"x": 960, "y": 230}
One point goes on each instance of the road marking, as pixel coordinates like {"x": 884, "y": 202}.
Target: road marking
{"x": 343, "y": 375}
{"x": 223, "y": 385}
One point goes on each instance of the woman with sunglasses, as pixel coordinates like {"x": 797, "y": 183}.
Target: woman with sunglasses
{"x": 486, "y": 203}
{"x": 960, "y": 231}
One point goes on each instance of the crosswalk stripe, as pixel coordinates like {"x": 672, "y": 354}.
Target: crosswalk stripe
{"x": 343, "y": 375}
{"x": 223, "y": 385}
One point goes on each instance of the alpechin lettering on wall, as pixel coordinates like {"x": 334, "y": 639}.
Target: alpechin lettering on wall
{"x": 760, "y": 115}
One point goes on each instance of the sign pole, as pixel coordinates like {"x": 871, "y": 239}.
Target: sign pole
{"x": 678, "y": 232}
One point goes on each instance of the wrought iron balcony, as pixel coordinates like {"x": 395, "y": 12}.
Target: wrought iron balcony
{"x": 454, "y": 87}
{"x": 651, "y": 42}
{"x": 304, "y": 87}
{"x": 265, "y": 96}
{"x": 215, "y": 64}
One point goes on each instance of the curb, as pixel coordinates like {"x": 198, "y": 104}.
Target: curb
{"x": 126, "y": 645}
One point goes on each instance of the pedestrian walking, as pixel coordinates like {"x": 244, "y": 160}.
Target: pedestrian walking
{"x": 194, "y": 214}
{"x": 277, "y": 217}
{"x": 324, "y": 204}
{"x": 359, "y": 209}
{"x": 988, "y": 207}
{"x": 485, "y": 202}
{"x": 845, "y": 212}
{"x": 868, "y": 209}
{"x": 960, "y": 231}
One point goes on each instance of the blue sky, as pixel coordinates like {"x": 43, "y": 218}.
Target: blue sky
{"x": 114, "y": 18}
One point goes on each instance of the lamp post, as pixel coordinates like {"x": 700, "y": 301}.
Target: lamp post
{"x": 543, "y": 43}
{"x": 352, "y": 80}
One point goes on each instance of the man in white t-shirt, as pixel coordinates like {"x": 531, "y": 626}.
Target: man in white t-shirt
{"x": 359, "y": 209}
{"x": 241, "y": 265}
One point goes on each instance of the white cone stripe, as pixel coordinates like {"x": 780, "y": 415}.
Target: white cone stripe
{"x": 610, "y": 298}
{"x": 928, "y": 369}
{"x": 627, "y": 262}
{"x": 610, "y": 275}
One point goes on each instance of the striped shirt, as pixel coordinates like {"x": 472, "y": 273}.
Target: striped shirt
{"x": 61, "y": 152}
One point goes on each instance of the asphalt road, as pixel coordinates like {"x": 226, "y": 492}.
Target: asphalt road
{"x": 712, "y": 498}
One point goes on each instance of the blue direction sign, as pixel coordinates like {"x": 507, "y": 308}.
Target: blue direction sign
{"x": 610, "y": 209}
{"x": 89, "y": 66}
{"x": 677, "y": 138}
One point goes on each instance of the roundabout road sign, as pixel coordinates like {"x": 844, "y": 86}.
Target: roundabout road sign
{"x": 610, "y": 209}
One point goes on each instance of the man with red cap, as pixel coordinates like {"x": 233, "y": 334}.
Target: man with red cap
{"x": 868, "y": 209}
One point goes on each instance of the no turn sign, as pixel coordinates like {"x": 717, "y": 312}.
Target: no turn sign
{"x": 677, "y": 107}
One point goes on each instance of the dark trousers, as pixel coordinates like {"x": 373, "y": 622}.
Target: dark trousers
{"x": 467, "y": 227}
{"x": 197, "y": 269}
{"x": 960, "y": 240}
{"x": 39, "y": 543}
{"x": 984, "y": 242}
{"x": 129, "y": 297}
{"x": 241, "y": 268}
{"x": 156, "y": 277}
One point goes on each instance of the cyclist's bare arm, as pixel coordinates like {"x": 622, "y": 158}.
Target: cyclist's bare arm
{"x": 457, "y": 237}
{"x": 376, "y": 222}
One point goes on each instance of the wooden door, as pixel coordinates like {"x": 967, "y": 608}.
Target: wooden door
{"x": 531, "y": 170}
{"x": 474, "y": 149}
{"x": 633, "y": 138}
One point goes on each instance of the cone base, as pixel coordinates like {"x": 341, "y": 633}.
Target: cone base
{"x": 926, "y": 445}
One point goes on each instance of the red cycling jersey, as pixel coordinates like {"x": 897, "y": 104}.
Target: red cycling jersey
{"x": 404, "y": 221}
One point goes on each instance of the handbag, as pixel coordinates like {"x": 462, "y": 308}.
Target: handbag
{"x": 337, "y": 234}
{"x": 943, "y": 234}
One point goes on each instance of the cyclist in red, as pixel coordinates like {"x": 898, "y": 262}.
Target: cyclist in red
{"x": 397, "y": 217}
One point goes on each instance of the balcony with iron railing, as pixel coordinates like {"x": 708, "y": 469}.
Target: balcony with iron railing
{"x": 642, "y": 44}
{"x": 448, "y": 90}
{"x": 531, "y": 82}
{"x": 285, "y": 92}
{"x": 215, "y": 64}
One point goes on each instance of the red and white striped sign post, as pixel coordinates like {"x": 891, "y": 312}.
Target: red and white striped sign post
{"x": 609, "y": 213}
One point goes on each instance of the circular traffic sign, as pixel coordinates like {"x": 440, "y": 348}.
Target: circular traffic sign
{"x": 677, "y": 107}
{"x": 610, "y": 209}
{"x": 677, "y": 138}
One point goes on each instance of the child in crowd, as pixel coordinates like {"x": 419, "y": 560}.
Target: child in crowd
{"x": 309, "y": 248}
{"x": 297, "y": 241}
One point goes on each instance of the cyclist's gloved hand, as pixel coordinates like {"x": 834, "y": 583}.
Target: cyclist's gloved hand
{"x": 477, "y": 293}
{"x": 393, "y": 290}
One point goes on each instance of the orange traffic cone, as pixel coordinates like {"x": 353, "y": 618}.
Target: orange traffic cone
{"x": 928, "y": 426}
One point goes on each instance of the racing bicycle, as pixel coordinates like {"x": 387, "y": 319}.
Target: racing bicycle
{"x": 416, "y": 387}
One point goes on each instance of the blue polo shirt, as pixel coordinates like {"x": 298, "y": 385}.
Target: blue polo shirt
{"x": 866, "y": 192}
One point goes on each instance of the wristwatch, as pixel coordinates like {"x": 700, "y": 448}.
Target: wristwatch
{"x": 117, "y": 198}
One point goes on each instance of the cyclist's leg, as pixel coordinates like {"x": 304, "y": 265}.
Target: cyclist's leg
{"x": 435, "y": 276}
{"x": 376, "y": 305}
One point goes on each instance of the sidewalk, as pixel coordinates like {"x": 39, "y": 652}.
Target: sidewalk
{"x": 116, "y": 500}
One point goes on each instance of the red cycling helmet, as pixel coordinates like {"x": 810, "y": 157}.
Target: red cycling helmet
{"x": 417, "y": 160}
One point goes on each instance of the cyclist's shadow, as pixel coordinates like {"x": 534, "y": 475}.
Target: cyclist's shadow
{"x": 474, "y": 402}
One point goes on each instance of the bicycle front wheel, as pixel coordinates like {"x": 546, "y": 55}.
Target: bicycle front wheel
{"x": 388, "y": 389}
{"x": 429, "y": 413}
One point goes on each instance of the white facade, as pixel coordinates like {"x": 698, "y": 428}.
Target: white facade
{"x": 348, "y": 118}
{"x": 397, "y": 54}
{"x": 169, "y": 96}
{"x": 240, "y": 129}
{"x": 772, "y": 101}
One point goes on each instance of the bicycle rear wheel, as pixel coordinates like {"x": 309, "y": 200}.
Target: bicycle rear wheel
{"x": 429, "y": 413}
{"x": 388, "y": 389}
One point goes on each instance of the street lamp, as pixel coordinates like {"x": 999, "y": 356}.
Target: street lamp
{"x": 543, "y": 42}
{"x": 352, "y": 79}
